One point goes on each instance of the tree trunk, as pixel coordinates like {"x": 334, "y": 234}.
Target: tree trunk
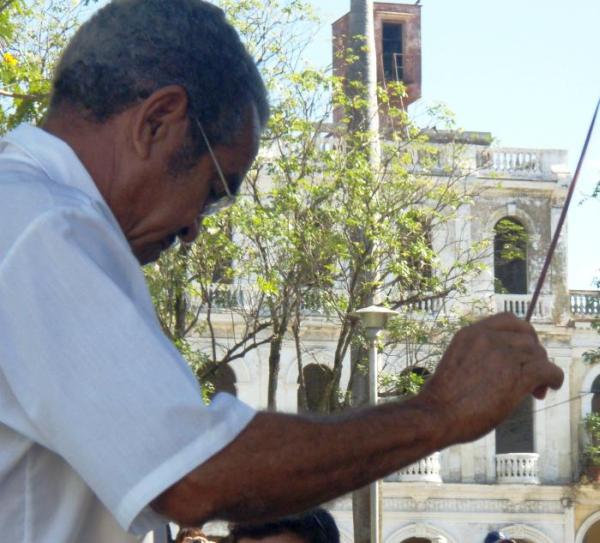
{"x": 274, "y": 366}
{"x": 302, "y": 398}
{"x": 180, "y": 313}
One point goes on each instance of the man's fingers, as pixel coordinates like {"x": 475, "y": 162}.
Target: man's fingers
{"x": 555, "y": 379}
{"x": 555, "y": 376}
{"x": 507, "y": 322}
{"x": 526, "y": 343}
{"x": 545, "y": 375}
{"x": 540, "y": 392}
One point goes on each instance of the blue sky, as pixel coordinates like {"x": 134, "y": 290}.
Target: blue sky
{"x": 526, "y": 71}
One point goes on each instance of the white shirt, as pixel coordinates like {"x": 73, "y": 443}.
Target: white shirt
{"x": 98, "y": 411}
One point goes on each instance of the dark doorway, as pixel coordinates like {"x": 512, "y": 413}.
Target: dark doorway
{"x": 316, "y": 380}
{"x": 510, "y": 257}
{"x": 515, "y": 434}
{"x": 393, "y": 62}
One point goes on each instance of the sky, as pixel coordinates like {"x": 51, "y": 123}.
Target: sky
{"x": 528, "y": 71}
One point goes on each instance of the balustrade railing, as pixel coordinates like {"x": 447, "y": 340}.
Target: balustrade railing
{"x": 519, "y": 304}
{"x": 426, "y": 470}
{"x": 330, "y": 142}
{"x": 228, "y": 297}
{"x": 247, "y": 297}
{"x": 235, "y": 296}
{"x": 427, "y": 305}
{"x": 585, "y": 303}
{"x": 546, "y": 164}
{"x": 517, "y": 468}
{"x": 520, "y": 163}
{"x": 510, "y": 160}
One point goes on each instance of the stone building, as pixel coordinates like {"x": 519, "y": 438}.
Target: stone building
{"x": 525, "y": 478}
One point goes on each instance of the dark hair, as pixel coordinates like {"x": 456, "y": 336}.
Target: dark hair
{"x": 495, "y": 537}
{"x": 189, "y": 532}
{"x": 316, "y": 526}
{"x": 131, "y": 48}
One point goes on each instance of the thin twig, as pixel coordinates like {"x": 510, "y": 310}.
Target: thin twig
{"x": 24, "y": 96}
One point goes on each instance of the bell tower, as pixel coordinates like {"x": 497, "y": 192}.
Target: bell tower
{"x": 398, "y": 47}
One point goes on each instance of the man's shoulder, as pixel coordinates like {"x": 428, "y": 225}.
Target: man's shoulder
{"x": 26, "y": 195}
{"x": 72, "y": 239}
{"x": 39, "y": 173}
{"x": 49, "y": 209}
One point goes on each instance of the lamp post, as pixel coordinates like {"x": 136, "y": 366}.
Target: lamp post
{"x": 373, "y": 319}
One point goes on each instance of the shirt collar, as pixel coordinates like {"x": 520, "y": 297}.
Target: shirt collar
{"x": 58, "y": 160}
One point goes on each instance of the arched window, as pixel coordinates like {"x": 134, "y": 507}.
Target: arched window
{"x": 593, "y": 533}
{"x": 510, "y": 257}
{"x": 596, "y": 395}
{"x": 589, "y": 531}
{"x": 391, "y": 45}
{"x": 417, "y": 273}
{"x": 316, "y": 380}
{"x": 515, "y": 434}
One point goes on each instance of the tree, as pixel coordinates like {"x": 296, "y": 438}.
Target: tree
{"x": 320, "y": 229}
{"x": 32, "y": 35}
{"x": 192, "y": 284}
{"x": 303, "y": 236}
{"x": 224, "y": 267}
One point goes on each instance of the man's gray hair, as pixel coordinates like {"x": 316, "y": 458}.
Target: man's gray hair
{"x": 131, "y": 48}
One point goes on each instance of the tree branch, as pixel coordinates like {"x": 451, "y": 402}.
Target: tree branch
{"x": 24, "y": 96}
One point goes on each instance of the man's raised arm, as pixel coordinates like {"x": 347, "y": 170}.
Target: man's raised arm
{"x": 281, "y": 464}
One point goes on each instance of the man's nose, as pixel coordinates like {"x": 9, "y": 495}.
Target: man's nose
{"x": 190, "y": 232}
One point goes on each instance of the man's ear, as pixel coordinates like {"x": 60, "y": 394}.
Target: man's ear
{"x": 160, "y": 120}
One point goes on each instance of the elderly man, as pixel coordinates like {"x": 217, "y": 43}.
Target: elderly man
{"x": 155, "y": 118}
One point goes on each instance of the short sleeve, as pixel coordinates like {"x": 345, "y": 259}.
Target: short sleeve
{"x": 92, "y": 371}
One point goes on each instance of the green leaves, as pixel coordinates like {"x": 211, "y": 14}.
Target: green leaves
{"x": 513, "y": 238}
{"x": 317, "y": 229}
{"x": 591, "y": 451}
{"x": 34, "y": 34}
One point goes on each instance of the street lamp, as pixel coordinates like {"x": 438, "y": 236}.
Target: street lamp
{"x": 373, "y": 318}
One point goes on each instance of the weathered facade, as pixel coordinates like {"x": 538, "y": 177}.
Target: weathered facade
{"x": 526, "y": 477}
{"x": 532, "y": 492}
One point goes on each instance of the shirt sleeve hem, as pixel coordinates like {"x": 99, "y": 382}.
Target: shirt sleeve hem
{"x": 130, "y": 511}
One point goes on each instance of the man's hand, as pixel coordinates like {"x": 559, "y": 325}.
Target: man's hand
{"x": 486, "y": 372}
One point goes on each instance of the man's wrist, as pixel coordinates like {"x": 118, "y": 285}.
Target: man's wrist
{"x": 433, "y": 424}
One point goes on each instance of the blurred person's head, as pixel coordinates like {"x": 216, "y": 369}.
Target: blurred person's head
{"x": 497, "y": 537}
{"x": 315, "y": 526}
{"x": 191, "y": 535}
